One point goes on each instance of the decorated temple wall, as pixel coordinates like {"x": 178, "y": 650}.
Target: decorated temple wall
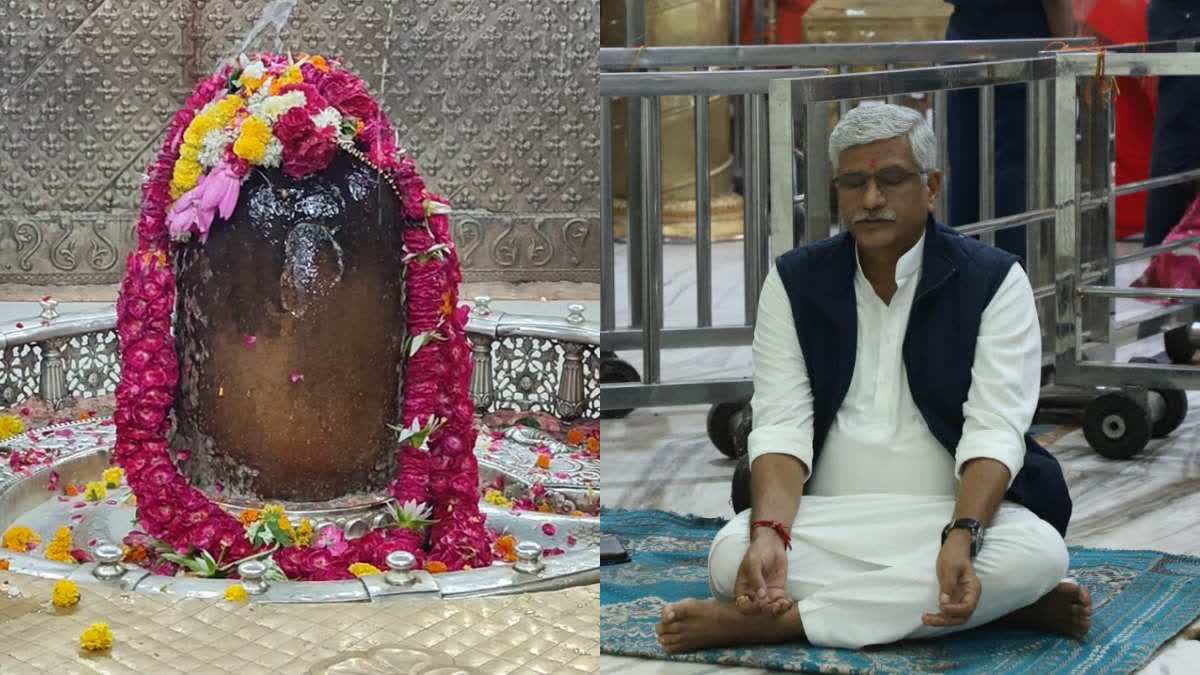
{"x": 497, "y": 101}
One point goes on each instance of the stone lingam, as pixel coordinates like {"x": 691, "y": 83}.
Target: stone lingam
{"x": 291, "y": 341}
{"x": 290, "y": 332}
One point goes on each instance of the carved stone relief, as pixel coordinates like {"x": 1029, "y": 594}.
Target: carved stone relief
{"x": 496, "y": 100}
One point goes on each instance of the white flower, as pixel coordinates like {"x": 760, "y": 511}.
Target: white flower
{"x": 212, "y": 147}
{"x": 255, "y": 69}
{"x": 274, "y": 152}
{"x": 329, "y": 117}
{"x": 273, "y": 107}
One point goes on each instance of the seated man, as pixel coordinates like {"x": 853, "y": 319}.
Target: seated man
{"x": 896, "y": 373}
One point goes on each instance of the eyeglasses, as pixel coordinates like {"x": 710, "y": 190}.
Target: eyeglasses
{"x": 890, "y": 178}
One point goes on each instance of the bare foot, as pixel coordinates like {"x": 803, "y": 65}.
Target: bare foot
{"x": 689, "y": 625}
{"x": 1066, "y": 609}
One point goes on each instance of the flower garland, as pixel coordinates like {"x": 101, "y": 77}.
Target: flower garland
{"x": 295, "y": 114}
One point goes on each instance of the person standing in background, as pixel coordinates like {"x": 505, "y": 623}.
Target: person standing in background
{"x": 995, "y": 20}
{"x": 1176, "y": 126}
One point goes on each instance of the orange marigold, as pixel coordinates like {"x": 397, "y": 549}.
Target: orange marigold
{"x": 435, "y": 566}
{"x": 575, "y": 436}
{"x": 249, "y": 516}
{"x": 3, "y": 564}
{"x": 543, "y": 461}
{"x": 593, "y": 444}
{"x": 506, "y": 548}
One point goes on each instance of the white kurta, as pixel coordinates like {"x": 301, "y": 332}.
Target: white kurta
{"x": 867, "y": 535}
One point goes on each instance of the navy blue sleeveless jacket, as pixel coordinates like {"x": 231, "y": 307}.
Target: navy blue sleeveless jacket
{"x": 959, "y": 276}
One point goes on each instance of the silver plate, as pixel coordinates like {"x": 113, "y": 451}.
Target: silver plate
{"x": 572, "y": 481}
{"x": 78, "y": 452}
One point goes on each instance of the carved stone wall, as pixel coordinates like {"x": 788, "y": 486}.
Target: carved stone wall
{"x": 496, "y": 100}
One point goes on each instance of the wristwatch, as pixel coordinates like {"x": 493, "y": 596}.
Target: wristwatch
{"x": 971, "y": 525}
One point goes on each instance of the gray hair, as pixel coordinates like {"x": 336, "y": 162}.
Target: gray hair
{"x": 868, "y": 123}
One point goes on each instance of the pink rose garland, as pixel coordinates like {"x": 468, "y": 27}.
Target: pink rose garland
{"x": 437, "y": 377}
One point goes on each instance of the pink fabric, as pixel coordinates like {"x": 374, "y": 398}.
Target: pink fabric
{"x": 1179, "y": 268}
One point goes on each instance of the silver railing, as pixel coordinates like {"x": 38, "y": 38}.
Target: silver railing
{"x": 524, "y": 362}
{"x": 811, "y": 206}
{"x": 646, "y": 227}
{"x": 1072, "y": 263}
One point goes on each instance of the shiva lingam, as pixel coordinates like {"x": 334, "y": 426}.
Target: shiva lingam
{"x": 286, "y": 316}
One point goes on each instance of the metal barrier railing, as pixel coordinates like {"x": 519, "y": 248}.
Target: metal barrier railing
{"x": 1073, "y": 288}
{"x": 645, "y": 283}
{"x": 648, "y": 88}
{"x": 527, "y": 362}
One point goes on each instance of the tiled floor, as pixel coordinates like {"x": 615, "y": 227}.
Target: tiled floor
{"x": 661, "y": 458}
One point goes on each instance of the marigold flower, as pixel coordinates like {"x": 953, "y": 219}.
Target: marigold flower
{"x": 71, "y": 490}
{"x": 497, "y": 498}
{"x": 186, "y": 175}
{"x": 286, "y": 526}
{"x": 95, "y": 491}
{"x": 447, "y": 303}
{"x": 593, "y": 444}
{"x": 60, "y": 547}
{"x": 320, "y": 62}
{"x": 112, "y": 477}
{"x": 4, "y": 565}
{"x": 251, "y": 144}
{"x": 361, "y": 569}
{"x": 226, "y": 108}
{"x": 135, "y": 554}
{"x": 21, "y": 539}
{"x": 575, "y": 436}
{"x": 305, "y": 533}
{"x": 435, "y": 566}
{"x": 506, "y": 548}
{"x": 543, "y": 461}
{"x": 250, "y": 82}
{"x": 236, "y": 593}
{"x": 11, "y": 425}
{"x": 97, "y": 637}
{"x": 190, "y": 152}
{"x": 65, "y": 594}
{"x": 249, "y": 516}
{"x": 290, "y": 76}
{"x": 198, "y": 129}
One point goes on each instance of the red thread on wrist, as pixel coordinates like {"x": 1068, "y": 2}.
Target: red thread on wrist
{"x": 780, "y": 529}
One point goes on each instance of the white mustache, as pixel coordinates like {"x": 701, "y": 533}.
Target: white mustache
{"x": 884, "y": 214}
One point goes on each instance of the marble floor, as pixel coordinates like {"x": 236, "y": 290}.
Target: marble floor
{"x": 661, "y": 457}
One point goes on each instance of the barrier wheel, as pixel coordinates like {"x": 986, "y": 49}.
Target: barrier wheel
{"x": 729, "y": 425}
{"x": 1175, "y": 407}
{"x": 1179, "y": 348}
{"x": 1116, "y": 426}
{"x": 616, "y": 371}
{"x": 739, "y": 491}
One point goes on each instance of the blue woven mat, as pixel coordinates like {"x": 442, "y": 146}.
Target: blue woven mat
{"x": 1141, "y": 600}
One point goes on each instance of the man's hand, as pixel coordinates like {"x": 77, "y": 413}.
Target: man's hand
{"x": 761, "y": 585}
{"x": 960, "y": 587}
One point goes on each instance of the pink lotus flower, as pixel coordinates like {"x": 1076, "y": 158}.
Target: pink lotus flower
{"x": 217, "y": 192}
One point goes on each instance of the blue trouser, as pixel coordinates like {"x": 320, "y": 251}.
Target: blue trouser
{"x": 1176, "y": 123}
{"x": 990, "y": 23}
